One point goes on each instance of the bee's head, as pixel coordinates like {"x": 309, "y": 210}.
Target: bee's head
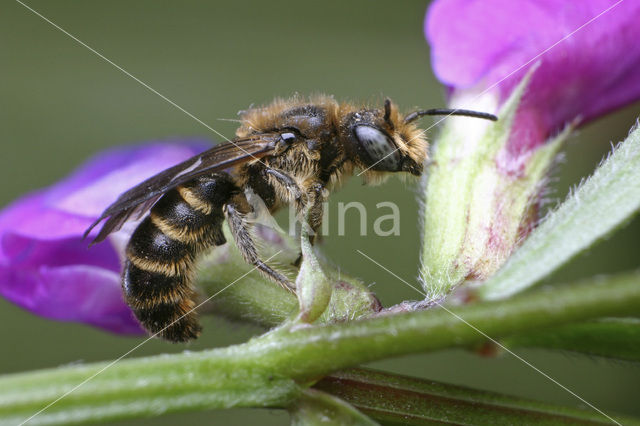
{"x": 382, "y": 141}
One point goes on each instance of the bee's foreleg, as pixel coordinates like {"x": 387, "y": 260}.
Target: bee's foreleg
{"x": 313, "y": 214}
{"x": 235, "y": 212}
{"x": 287, "y": 187}
{"x": 317, "y": 196}
{"x": 308, "y": 200}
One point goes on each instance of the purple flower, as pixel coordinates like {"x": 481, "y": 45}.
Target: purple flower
{"x": 46, "y": 266}
{"x": 481, "y": 196}
{"x": 476, "y": 44}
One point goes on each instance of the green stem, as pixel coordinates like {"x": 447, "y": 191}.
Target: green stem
{"x": 142, "y": 387}
{"x": 616, "y": 338}
{"x": 402, "y": 400}
{"x": 265, "y": 370}
{"x": 317, "y": 351}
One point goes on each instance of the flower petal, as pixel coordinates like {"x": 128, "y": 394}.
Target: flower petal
{"x": 67, "y": 208}
{"x": 28, "y": 253}
{"x": 98, "y": 183}
{"x": 591, "y": 72}
{"x": 46, "y": 266}
{"x": 79, "y": 293}
{"x": 31, "y": 216}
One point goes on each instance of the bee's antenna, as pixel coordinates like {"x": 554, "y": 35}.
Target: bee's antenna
{"x": 387, "y": 112}
{"x": 463, "y": 112}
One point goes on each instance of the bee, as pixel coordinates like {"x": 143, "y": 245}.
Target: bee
{"x": 289, "y": 152}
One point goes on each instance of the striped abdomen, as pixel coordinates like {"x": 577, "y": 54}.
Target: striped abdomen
{"x": 161, "y": 255}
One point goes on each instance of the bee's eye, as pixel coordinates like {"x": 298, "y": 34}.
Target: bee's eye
{"x": 382, "y": 153}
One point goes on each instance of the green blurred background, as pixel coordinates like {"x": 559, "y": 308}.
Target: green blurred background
{"x": 60, "y": 104}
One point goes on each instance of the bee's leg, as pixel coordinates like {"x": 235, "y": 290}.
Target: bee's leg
{"x": 285, "y": 184}
{"x": 313, "y": 217}
{"x": 235, "y": 212}
{"x": 318, "y": 195}
{"x": 313, "y": 198}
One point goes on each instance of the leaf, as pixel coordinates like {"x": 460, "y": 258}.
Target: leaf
{"x": 601, "y": 204}
{"x": 401, "y": 400}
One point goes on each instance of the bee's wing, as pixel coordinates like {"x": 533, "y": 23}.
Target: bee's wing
{"x": 139, "y": 199}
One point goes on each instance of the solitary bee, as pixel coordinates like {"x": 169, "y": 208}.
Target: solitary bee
{"x": 288, "y": 152}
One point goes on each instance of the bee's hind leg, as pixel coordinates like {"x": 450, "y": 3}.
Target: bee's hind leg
{"x": 235, "y": 212}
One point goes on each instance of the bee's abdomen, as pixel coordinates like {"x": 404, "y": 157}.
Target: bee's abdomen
{"x": 161, "y": 255}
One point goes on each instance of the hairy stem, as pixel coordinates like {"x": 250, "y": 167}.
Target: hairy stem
{"x": 269, "y": 370}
